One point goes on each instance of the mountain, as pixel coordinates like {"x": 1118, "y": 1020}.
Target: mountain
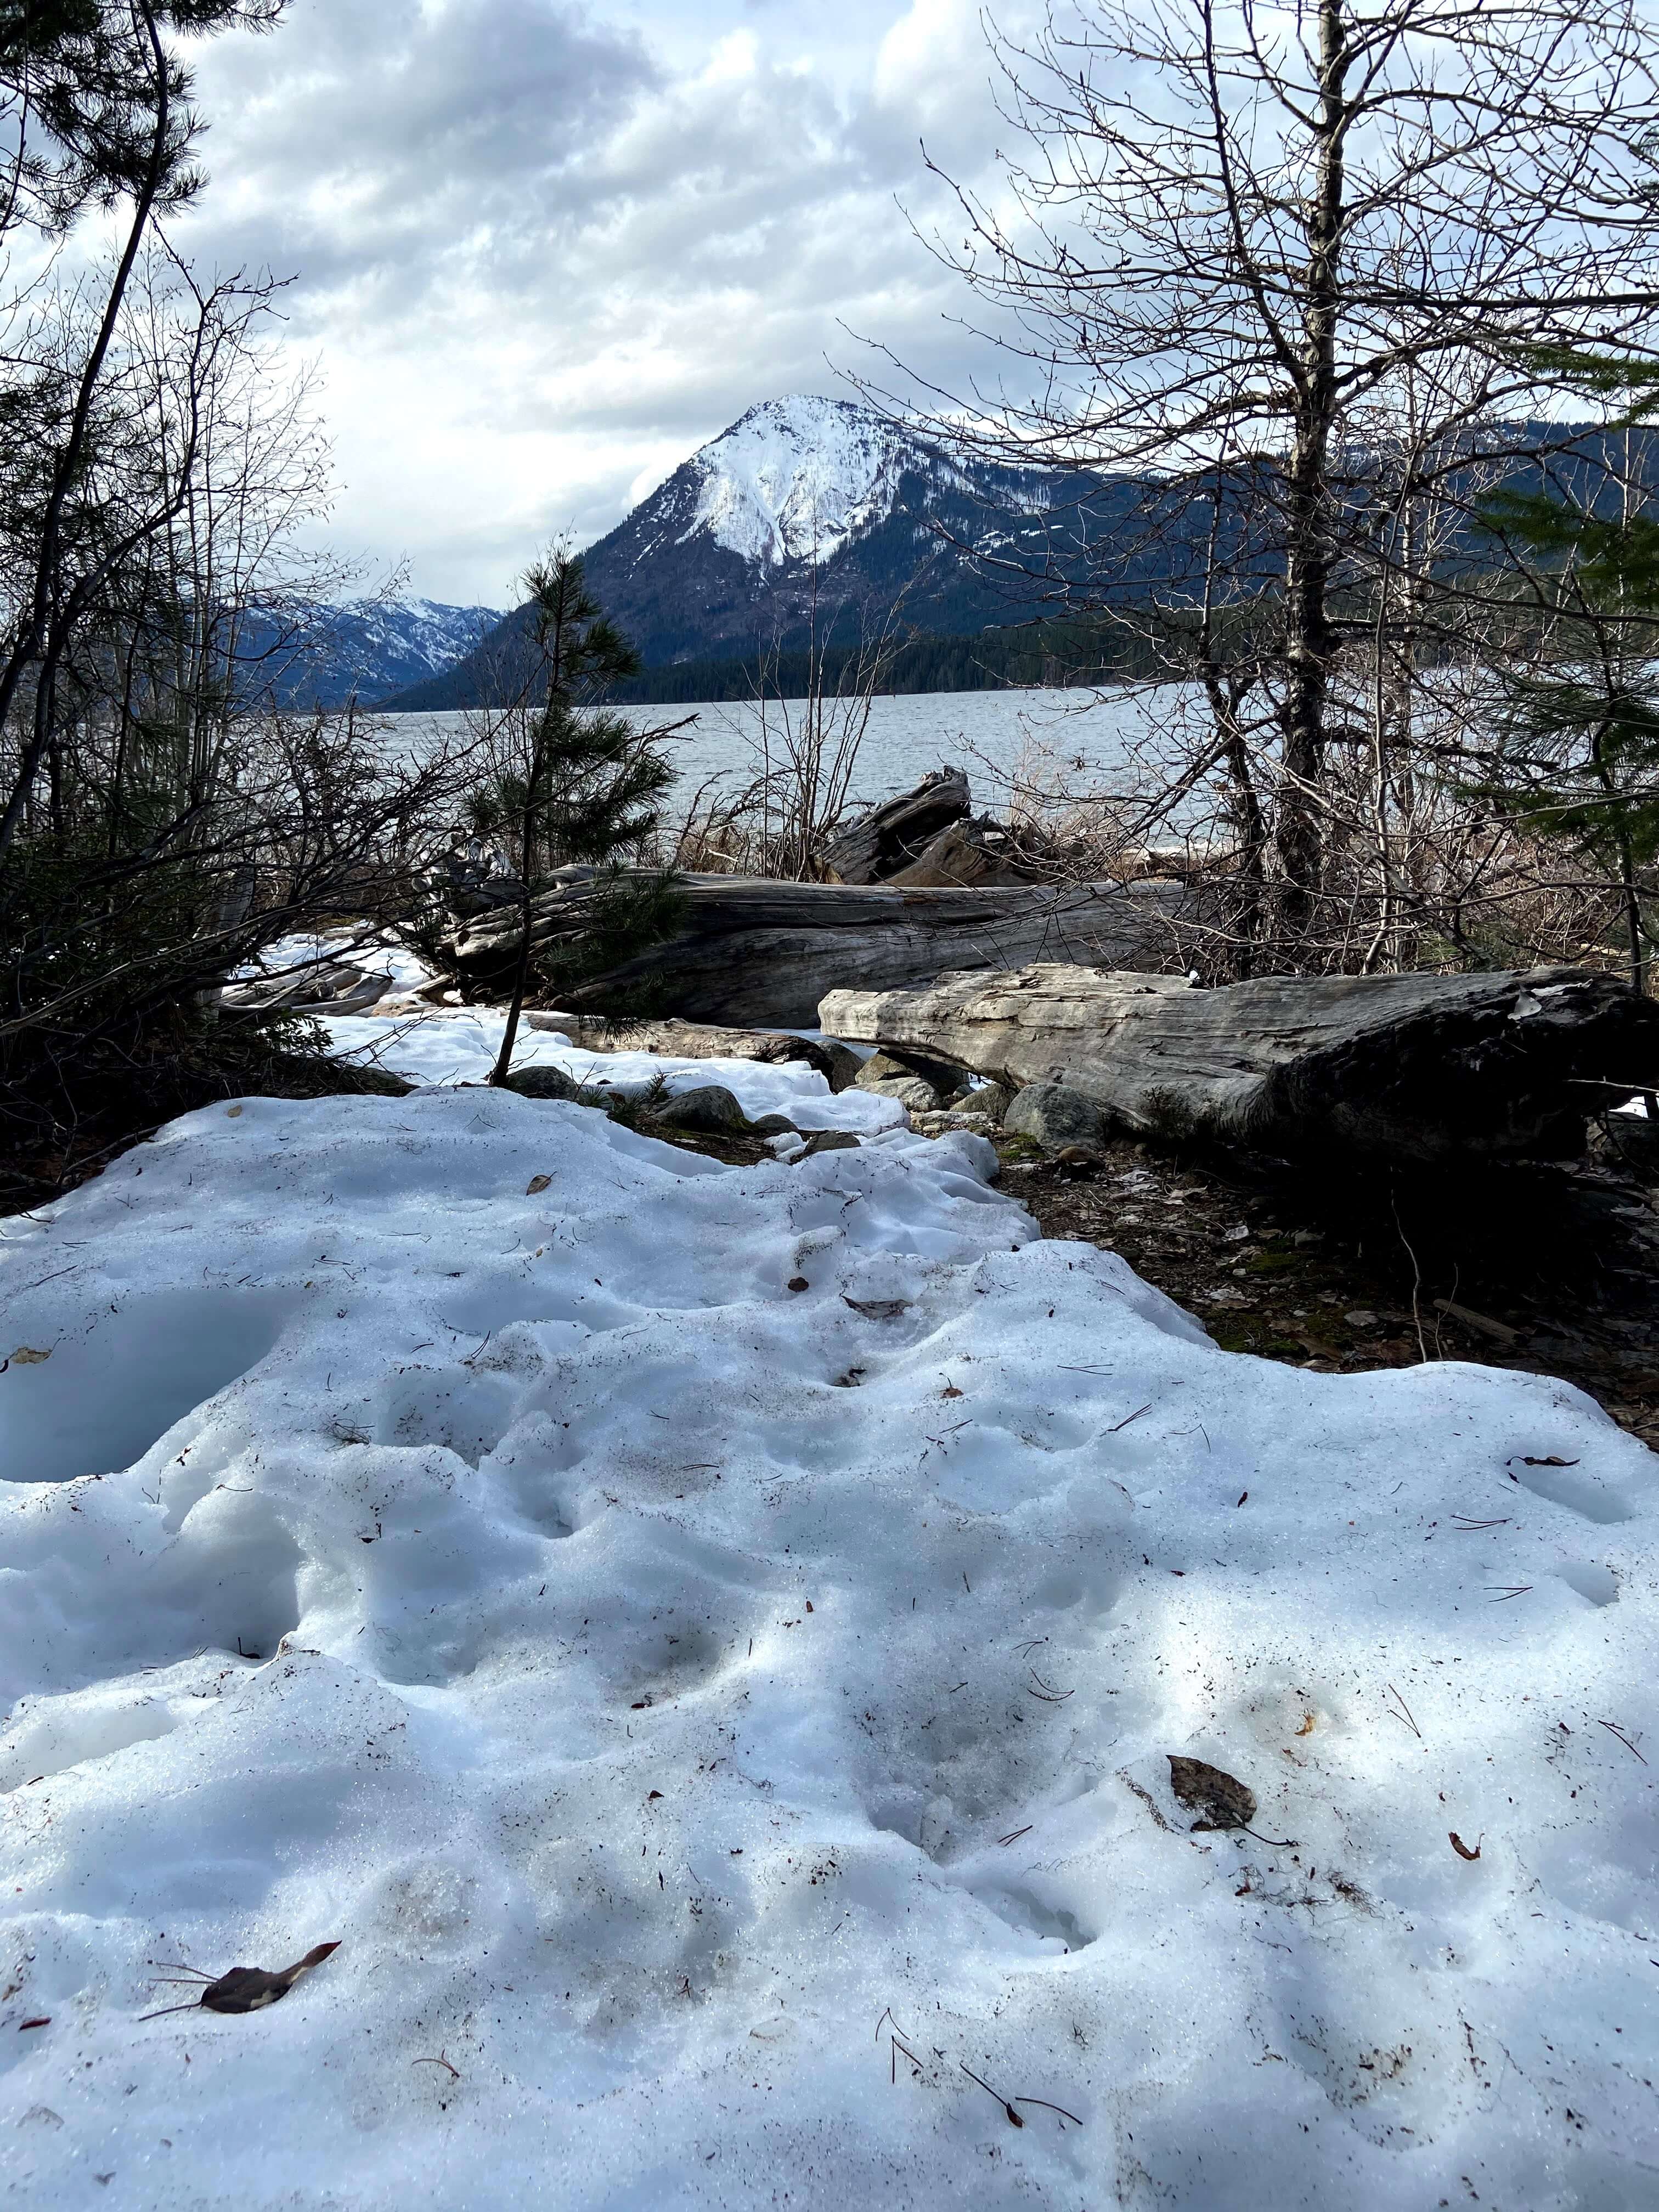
{"x": 805, "y": 507}
{"x": 322, "y": 655}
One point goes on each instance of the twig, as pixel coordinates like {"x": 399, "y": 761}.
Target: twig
{"x": 440, "y": 2060}
{"x": 1404, "y": 1712}
{"x": 1048, "y": 2107}
{"x": 1623, "y": 1739}
{"x": 1014, "y": 2119}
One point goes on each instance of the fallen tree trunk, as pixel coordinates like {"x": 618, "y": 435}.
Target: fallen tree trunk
{"x": 1427, "y": 1069}
{"x": 757, "y": 953}
{"x": 331, "y": 986}
{"x": 674, "y": 1040}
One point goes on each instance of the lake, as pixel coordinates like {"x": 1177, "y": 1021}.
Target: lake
{"x": 1065, "y": 743}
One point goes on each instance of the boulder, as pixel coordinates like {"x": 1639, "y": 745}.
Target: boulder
{"x": 542, "y": 1083}
{"x": 710, "y": 1110}
{"x": 1054, "y": 1115}
{"x": 827, "y": 1140}
{"x": 890, "y": 1078}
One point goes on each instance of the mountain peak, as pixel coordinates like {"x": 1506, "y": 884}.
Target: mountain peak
{"x": 797, "y": 478}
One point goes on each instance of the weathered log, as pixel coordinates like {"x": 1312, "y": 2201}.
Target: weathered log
{"x": 967, "y": 853}
{"x": 1429, "y": 1069}
{"x": 332, "y": 987}
{"x": 891, "y": 835}
{"x": 674, "y": 1040}
{"x": 759, "y": 953}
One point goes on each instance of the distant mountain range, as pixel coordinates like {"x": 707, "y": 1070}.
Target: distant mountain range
{"x": 814, "y": 515}
{"x": 808, "y": 507}
{"x": 365, "y": 649}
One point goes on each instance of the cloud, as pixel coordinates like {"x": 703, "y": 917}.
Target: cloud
{"x": 543, "y": 251}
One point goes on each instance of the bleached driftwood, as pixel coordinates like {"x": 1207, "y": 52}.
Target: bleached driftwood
{"x": 334, "y": 987}
{"x": 1419, "y": 1067}
{"x": 757, "y": 953}
{"x": 675, "y": 1040}
{"x": 891, "y": 835}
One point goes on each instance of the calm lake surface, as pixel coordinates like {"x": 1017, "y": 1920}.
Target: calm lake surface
{"x": 1079, "y": 741}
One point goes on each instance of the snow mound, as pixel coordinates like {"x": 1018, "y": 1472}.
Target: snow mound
{"x": 798, "y": 479}
{"x": 708, "y": 1642}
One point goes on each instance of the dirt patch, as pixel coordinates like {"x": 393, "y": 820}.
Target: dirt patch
{"x": 1552, "y": 1269}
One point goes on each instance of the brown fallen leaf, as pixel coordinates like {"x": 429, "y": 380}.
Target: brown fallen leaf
{"x": 799, "y": 1282}
{"x": 1553, "y": 1461}
{"x": 536, "y": 1185}
{"x": 1461, "y": 1848}
{"x": 878, "y": 1308}
{"x": 245, "y": 1989}
{"x": 1221, "y": 1800}
{"x": 26, "y": 1356}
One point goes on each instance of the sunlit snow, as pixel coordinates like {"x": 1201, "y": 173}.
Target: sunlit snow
{"x": 707, "y": 1643}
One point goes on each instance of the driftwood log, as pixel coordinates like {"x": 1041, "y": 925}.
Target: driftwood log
{"x": 890, "y": 835}
{"x": 703, "y": 1041}
{"x": 332, "y": 987}
{"x": 968, "y": 853}
{"x": 759, "y": 953}
{"x": 1421, "y": 1069}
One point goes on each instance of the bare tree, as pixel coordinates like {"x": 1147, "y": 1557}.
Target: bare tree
{"x": 1294, "y": 267}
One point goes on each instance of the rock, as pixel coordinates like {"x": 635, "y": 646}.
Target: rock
{"x": 844, "y": 1063}
{"x": 773, "y": 1124}
{"x": 710, "y": 1110}
{"x": 827, "y": 1140}
{"x": 990, "y": 1102}
{"x": 542, "y": 1083}
{"x": 887, "y": 1079}
{"x": 1055, "y": 1117}
{"x": 1220, "y": 1799}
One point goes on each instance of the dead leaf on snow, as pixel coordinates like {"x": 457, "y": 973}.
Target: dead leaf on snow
{"x": 537, "y": 1183}
{"x": 1220, "y": 1799}
{"x": 26, "y": 1356}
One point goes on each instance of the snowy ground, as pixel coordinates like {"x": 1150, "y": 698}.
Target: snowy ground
{"x": 711, "y": 1716}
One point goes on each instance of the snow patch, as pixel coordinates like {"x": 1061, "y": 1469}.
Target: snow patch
{"x": 707, "y": 1643}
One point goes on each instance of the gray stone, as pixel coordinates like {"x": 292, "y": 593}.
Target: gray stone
{"x": 988, "y": 1104}
{"x": 827, "y": 1140}
{"x": 542, "y": 1083}
{"x": 844, "y": 1063}
{"x": 890, "y": 1078}
{"x": 772, "y": 1125}
{"x": 1054, "y": 1115}
{"x": 710, "y": 1110}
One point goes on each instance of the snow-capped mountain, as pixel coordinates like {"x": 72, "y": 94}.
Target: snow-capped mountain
{"x": 322, "y": 654}
{"x": 808, "y": 509}
{"x": 803, "y": 478}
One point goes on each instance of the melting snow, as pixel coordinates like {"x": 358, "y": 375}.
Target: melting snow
{"x": 714, "y": 1716}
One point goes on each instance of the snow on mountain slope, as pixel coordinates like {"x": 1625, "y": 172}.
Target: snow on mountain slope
{"x": 798, "y": 479}
{"x": 323, "y": 654}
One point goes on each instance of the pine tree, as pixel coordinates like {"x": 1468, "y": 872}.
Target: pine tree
{"x": 1580, "y": 740}
{"x": 588, "y": 789}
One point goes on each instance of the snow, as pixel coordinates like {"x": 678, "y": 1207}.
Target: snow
{"x": 797, "y": 478}
{"x": 669, "y": 1686}
{"x": 462, "y": 1047}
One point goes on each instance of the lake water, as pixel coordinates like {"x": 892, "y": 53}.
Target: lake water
{"x": 1066, "y": 742}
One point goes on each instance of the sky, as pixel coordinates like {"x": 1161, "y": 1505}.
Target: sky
{"x": 541, "y": 251}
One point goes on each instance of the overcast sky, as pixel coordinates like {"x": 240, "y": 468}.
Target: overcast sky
{"x": 544, "y": 250}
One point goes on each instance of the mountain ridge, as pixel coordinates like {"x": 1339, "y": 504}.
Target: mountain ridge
{"x": 806, "y": 514}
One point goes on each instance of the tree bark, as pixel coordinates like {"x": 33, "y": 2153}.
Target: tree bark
{"x": 1412, "y": 1068}
{"x": 755, "y": 952}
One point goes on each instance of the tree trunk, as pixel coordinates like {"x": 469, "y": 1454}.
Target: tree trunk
{"x": 1415, "y": 1068}
{"x": 753, "y": 952}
